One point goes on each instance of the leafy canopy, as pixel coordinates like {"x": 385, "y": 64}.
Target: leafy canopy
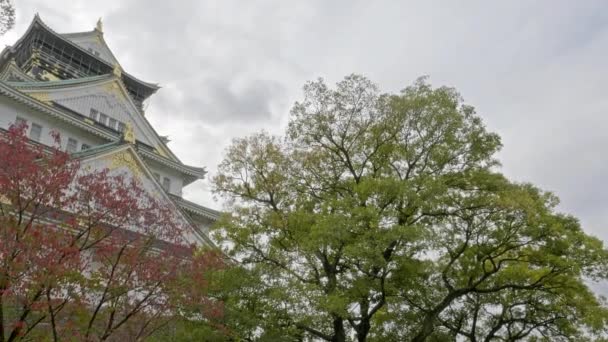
{"x": 384, "y": 217}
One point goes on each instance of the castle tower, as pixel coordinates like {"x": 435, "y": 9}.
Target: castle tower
{"x": 73, "y": 84}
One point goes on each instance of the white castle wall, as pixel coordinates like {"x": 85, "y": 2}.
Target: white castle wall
{"x": 130, "y": 171}
{"x": 177, "y": 183}
{"x": 10, "y": 110}
{"x": 81, "y": 100}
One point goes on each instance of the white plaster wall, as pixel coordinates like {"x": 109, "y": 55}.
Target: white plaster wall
{"x": 81, "y": 100}
{"x": 10, "y": 110}
{"x": 93, "y": 43}
{"x": 177, "y": 182}
{"x": 105, "y": 163}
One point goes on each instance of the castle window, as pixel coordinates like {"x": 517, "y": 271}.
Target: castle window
{"x": 84, "y": 147}
{"x": 166, "y": 184}
{"x": 93, "y": 114}
{"x": 121, "y": 126}
{"x": 112, "y": 123}
{"x": 103, "y": 119}
{"x": 72, "y": 145}
{"x": 35, "y": 132}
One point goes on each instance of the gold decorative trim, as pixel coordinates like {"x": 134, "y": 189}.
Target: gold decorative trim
{"x": 113, "y": 88}
{"x": 125, "y": 159}
{"x": 129, "y": 135}
{"x": 35, "y": 55}
{"x": 49, "y": 76}
{"x": 117, "y": 71}
{"x": 99, "y": 25}
{"x": 43, "y": 97}
{"x": 159, "y": 151}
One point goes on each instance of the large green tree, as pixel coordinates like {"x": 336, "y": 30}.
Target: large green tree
{"x": 385, "y": 217}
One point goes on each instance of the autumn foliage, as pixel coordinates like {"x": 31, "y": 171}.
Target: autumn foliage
{"x": 88, "y": 255}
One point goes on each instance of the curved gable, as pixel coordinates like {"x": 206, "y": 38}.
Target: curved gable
{"x": 94, "y": 43}
{"x": 103, "y": 94}
{"x": 12, "y": 73}
{"x": 123, "y": 159}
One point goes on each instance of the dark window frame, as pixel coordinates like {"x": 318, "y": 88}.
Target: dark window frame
{"x": 38, "y": 129}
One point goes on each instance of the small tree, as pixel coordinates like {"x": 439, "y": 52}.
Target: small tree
{"x": 83, "y": 254}
{"x": 7, "y": 16}
{"x": 383, "y": 217}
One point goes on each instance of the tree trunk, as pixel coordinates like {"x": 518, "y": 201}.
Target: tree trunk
{"x": 1, "y": 316}
{"x": 339, "y": 332}
{"x": 428, "y": 324}
{"x": 427, "y": 329}
{"x": 363, "y": 330}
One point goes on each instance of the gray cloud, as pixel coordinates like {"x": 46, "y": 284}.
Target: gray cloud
{"x": 217, "y": 100}
{"x": 536, "y": 72}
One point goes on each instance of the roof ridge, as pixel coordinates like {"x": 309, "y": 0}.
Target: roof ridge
{"x": 78, "y": 33}
{"x": 96, "y": 149}
{"x": 61, "y": 82}
{"x": 38, "y": 19}
{"x": 164, "y": 160}
{"x": 189, "y": 205}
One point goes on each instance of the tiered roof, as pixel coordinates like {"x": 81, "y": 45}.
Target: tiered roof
{"x": 42, "y": 64}
{"x": 71, "y": 56}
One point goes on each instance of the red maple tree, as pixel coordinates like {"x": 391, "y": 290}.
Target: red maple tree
{"x": 87, "y": 255}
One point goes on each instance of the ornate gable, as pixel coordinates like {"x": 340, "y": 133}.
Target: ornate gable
{"x": 51, "y": 56}
{"x": 106, "y": 96}
{"x": 94, "y": 43}
{"x": 123, "y": 159}
{"x": 106, "y": 99}
{"x": 12, "y": 73}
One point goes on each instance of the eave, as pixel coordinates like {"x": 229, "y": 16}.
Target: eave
{"x": 116, "y": 147}
{"x": 196, "y": 209}
{"x": 194, "y": 173}
{"x": 59, "y": 83}
{"x": 13, "y": 68}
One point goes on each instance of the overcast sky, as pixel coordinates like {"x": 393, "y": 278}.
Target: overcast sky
{"x": 535, "y": 70}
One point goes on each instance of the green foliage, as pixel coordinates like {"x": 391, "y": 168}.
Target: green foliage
{"x": 383, "y": 217}
{"x": 184, "y": 330}
{"x": 7, "y": 16}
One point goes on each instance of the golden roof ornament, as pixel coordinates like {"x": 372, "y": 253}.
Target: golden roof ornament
{"x": 35, "y": 54}
{"x": 128, "y": 134}
{"x": 117, "y": 71}
{"x": 99, "y": 26}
